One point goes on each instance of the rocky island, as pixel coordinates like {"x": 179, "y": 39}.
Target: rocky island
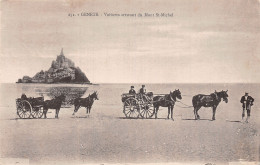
{"x": 62, "y": 70}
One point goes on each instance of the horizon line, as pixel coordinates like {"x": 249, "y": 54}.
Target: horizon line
{"x": 96, "y": 83}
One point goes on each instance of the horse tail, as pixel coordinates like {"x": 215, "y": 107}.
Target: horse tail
{"x": 76, "y": 102}
{"x": 156, "y": 101}
{"x": 194, "y": 101}
{"x": 45, "y": 105}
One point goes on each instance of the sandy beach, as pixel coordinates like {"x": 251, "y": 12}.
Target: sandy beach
{"x": 106, "y": 136}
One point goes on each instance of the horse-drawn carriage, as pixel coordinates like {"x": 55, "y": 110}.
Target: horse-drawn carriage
{"x": 30, "y": 107}
{"x": 136, "y": 105}
{"x": 147, "y": 105}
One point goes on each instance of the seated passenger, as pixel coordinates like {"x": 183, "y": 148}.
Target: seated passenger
{"x": 24, "y": 97}
{"x": 132, "y": 91}
{"x": 142, "y": 93}
{"x": 142, "y": 90}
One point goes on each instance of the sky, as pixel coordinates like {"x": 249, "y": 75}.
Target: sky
{"x": 205, "y": 41}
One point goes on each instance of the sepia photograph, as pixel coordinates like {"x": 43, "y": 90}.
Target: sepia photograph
{"x": 151, "y": 82}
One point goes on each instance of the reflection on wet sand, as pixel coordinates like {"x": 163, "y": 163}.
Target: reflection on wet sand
{"x": 71, "y": 93}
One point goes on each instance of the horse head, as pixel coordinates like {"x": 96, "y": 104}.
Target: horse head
{"x": 176, "y": 93}
{"x": 224, "y": 95}
{"x": 95, "y": 95}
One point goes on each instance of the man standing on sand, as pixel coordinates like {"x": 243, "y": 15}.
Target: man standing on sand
{"x": 247, "y": 102}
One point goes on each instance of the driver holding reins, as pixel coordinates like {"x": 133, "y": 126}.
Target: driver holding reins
{"x": 142, "y": 93}
{"x": 142, "y": 90}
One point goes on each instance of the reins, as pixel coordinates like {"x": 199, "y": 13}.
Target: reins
{"x": 186, "y": 106}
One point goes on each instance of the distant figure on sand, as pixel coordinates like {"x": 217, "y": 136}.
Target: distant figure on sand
{"x": 247, "y": 102}
{"x": 132, "y": 91}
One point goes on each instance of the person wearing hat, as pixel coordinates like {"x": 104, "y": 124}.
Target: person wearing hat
{"x": 142, "y": 93}
{"x": 247, "y": 102}
{"x": 24, "y": 97}
{"x": 142, "y": 90}
{"x": 132, "y": 91}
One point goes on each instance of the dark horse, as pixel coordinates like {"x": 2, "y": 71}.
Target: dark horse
{"x": 53, "y": 104}
{"x": 211, "y": 100}
{"x": 85, "y": 102}
{"x": 166, "y": 101}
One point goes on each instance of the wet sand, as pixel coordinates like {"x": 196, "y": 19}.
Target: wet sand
{"x": 106, "y": 136}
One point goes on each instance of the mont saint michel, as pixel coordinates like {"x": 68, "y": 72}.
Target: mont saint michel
{"x": 62, "y": 70}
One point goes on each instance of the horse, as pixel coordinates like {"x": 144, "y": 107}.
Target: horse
{"x": 85, "y": 102}
{"x": 211, "y": 100}
{"x": 167, "y": 100}
{"x": 53, "y": 104}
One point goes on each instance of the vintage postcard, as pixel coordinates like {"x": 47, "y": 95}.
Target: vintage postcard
{"x": 130, "y": 82}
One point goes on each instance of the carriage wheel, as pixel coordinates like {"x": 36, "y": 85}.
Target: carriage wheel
{"x": 24, "y": 109}
{"x": 37, "y": 112}
{"x": 131, "y": 108}
{"x": 147, "y": 110}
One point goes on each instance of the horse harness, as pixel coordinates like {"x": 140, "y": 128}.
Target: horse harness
{"x": 171, "y": 99}
{"x": 217, "y": 98}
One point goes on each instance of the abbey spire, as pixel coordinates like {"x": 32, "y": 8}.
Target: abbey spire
{"x": 61, "y": 53}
